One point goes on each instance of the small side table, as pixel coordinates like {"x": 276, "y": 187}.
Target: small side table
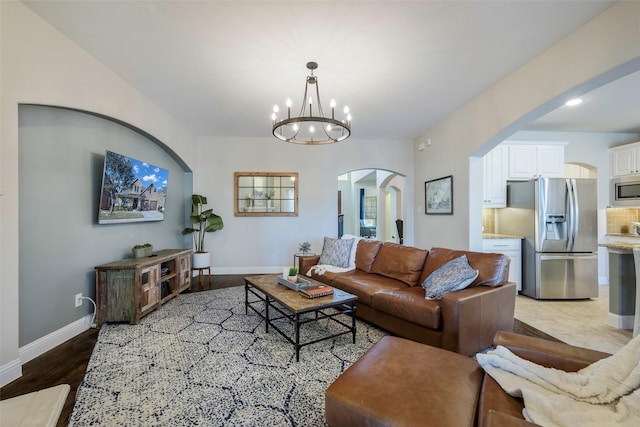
{"x": 201, "y": 275}
{"x": 299, "y": 254}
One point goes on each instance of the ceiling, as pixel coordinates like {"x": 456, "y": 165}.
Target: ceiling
{"x": 614, "y": 107}
{"x": 220, "y": 66}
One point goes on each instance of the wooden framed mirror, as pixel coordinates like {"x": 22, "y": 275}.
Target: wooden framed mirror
{"x": 266, "y": 193}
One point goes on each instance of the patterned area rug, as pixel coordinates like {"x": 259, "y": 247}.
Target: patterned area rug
{"x": 199, "y": 360}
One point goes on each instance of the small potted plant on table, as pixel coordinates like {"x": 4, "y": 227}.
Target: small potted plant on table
{"x": 305, "y": 247}
{"x": 293, "y": 275}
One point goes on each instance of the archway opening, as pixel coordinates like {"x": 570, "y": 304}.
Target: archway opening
{"x": 370, "y": 204}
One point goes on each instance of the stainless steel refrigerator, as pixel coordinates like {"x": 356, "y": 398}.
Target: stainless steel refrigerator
{"x": 558, "y": 219}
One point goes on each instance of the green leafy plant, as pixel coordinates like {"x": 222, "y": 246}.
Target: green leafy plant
{"x": 293, "y": 271}
{"x": 202, "y": 221}
{"x": 305, "y": 247}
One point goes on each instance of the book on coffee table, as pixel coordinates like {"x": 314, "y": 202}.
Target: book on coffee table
{"x": 316, "y": 291}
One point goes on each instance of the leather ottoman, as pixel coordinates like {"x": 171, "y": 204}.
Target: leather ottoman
{"x": 403, "y": 383}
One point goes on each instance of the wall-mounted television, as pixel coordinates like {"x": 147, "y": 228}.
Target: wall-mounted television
{"x": 132, "y": 190}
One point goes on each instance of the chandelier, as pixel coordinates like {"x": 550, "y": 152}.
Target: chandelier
{"x": 308, "y": 128}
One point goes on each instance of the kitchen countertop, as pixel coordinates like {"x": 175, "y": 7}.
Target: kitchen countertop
{"x": 500, "y": 236}
{"x": 622, "y": 241}
{"x": 620, "y": 245}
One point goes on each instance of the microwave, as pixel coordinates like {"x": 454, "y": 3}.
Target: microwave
{"x": 625, "y": 191}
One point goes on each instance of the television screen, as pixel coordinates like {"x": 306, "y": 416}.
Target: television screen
{"x": 132, "y": 191}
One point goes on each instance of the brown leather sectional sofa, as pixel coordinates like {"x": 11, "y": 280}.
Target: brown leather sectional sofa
{"x": 387, "y": 281}
{"x": 440, "y": 388}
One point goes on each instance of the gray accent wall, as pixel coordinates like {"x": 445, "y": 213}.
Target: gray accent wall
{"x": 61, "y": 156}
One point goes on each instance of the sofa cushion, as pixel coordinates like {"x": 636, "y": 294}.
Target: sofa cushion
{"x": 364, "y": 285}
{"x": 366, "y": 254}
{"x": 326, "y": 277}
{"x": 455, "y": 275}
{"x": 400, "y": 262}
{"x": 336, "y": 252}
{"x": 409, "y": 303}
{"x": 493, "y": 269}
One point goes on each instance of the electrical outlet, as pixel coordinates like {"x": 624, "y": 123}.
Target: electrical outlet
{"x": 78, "y": 300}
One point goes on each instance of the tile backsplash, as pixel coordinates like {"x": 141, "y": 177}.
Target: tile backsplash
{"x": 618, "y": 219}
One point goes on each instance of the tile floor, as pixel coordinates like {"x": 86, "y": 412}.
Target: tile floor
{"x": 581, "y": 322}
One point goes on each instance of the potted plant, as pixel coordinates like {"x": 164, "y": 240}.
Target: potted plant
{"x": 203, "y": 222}
{"x": 139, "y": 251}
{"x": 293, "y": 275}
{"x": 148, "y": 249}
{"x": 305, "y": 247}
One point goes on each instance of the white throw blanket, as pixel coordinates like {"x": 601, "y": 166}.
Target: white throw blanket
{"x": 605, "y": 393}
{"x": 321, "y": 269}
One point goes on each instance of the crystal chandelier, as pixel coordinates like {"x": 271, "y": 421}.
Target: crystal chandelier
{"x": 308, "y": 128}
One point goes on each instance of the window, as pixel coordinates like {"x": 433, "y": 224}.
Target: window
{"x": 266, "y": 193}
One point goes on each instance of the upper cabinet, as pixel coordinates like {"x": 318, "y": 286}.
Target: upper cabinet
{"x": 625, "y": 160}
{"x": 521, "y": 160}
{"x": 528, "y": 160}
{"x": 495, "y": 178}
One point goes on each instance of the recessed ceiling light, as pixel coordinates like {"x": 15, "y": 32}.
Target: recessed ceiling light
{"x": 573, "y": 102}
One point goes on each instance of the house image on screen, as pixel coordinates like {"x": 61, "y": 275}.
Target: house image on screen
{"x": 137, "y": 197}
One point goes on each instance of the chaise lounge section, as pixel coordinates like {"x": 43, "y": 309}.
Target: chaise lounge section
{"x": 387, "y": 280}
{"x": 440, "y": 388}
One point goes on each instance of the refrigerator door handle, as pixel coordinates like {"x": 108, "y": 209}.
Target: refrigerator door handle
{"x": 569, "y": 213}
{"x": 575, "y": 220}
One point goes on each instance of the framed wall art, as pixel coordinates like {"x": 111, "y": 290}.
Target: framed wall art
{"x": 266, "y": 194}
{"x": 438, "y": 196}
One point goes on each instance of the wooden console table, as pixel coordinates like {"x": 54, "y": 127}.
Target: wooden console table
{"x": 127, "y": 290}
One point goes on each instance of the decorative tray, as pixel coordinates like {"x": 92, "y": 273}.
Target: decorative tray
{"x": 295, "y": 286}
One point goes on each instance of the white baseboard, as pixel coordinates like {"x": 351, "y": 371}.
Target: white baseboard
{"x": 247, "y": 270}
{"x": 9, "y": 372}
{"x": 54, "y": 339}
{"x": 620, "y": 322}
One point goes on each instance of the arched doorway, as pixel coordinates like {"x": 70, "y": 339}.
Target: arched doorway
{"x": 370, "y": 202}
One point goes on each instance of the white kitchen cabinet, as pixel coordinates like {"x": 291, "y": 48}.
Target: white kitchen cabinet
{"x": 528, "y": 161}
{"x": 625, "y": 160}
{"x": 495, "y": 178}
{"x": 511, "y": 248}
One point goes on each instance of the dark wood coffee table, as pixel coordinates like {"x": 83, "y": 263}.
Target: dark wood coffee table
{"x": 291, "y": 305}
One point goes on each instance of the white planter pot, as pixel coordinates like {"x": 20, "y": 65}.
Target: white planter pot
{"x": 200, "y": 260}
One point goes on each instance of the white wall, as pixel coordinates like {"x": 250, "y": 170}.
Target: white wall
{"x": 42, "y": 66}
{"x": 606, "y": 48}
{"x": 265, "y": 244}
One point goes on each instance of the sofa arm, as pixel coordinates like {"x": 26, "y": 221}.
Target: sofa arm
{"x": 305, "y": 262}
{"x": 551, "y": 354}
{"x": 472, "y": 317}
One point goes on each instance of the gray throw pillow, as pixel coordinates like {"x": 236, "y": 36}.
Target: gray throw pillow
{"x": 455, "y": 275}
{"x": 336, "y": 252}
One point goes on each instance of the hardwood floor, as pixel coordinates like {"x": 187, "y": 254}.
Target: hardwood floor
{"x": 64, "y": 364}
{"x": 67, "y": 363}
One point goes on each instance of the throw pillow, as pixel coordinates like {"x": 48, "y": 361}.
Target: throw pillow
{"x": 455, "y": 275}
{"x": 336, "y": 252}
{"x": 354, "y": 247}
